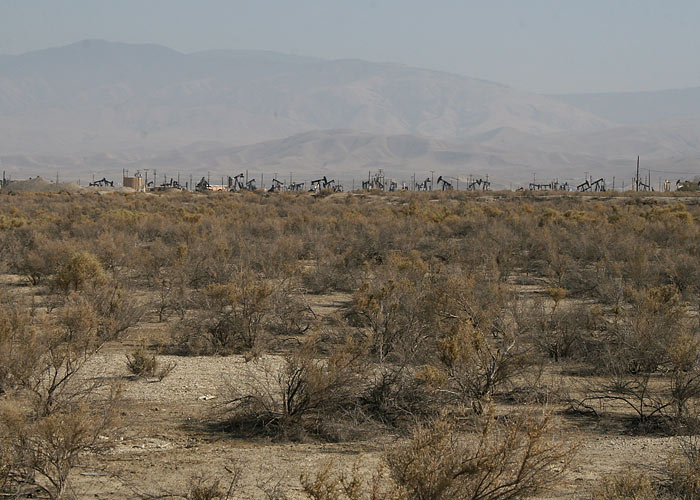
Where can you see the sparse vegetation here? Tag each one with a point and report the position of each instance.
(386, 320)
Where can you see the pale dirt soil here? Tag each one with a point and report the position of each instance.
(164, 440)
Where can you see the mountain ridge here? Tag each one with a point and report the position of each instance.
(96, 105)
(638, 107)
(94, 96)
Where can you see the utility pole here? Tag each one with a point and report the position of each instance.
(262, 181)
(432, 179)
(637, 178)
(613, 183)
(145, 183)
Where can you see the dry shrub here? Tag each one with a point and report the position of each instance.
(142, 363)
(292, 314)
(651, 359)
(230, 317)
(684, 469)
(641, 336)
(14, 323)
(399, 395)
(471, 366)
(328, 484)
(475, 297)
(78, 270)
(297, 393)
(40, 451)
(37, 255)
(48, 360)
(201, 487)
(560, 331)
(395, 308)
(212, 489)
(117, 308)
(330, 272)
(501, 460)
(6, 473)
(49, 415)
(630, 485)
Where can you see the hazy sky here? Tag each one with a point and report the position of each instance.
(545, 46)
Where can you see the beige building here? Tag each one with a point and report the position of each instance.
(133, 182)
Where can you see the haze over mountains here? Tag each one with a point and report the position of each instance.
(98, 106)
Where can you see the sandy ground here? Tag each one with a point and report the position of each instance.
(164, 440)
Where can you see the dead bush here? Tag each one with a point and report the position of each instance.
(142, 363)
(117, 309)
(291, 313)
(212, 489)
(399, 395)
(200, 487)
(484, 302)
(651, 362)
(230, 317)
(630, 485)
(471, 366)
(395, 307)
(293, 395)
(330, 272)
(560, 330)
(14, 322)
(501, 460)
(329, 484)
(40, 451)
(684, 469)
(44, 361)
(38, 255)
(642, 334)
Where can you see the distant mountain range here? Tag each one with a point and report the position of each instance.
(98, 106)
(638, 107)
